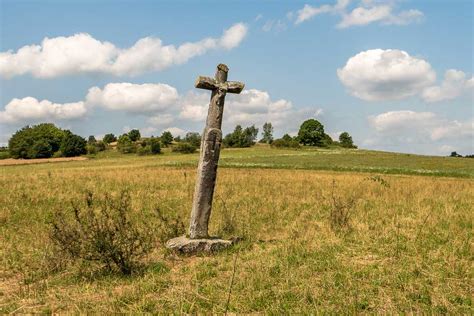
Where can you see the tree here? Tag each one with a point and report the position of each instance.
(41, 149)
(73, 145)
(240, 138)
(193, 138)
(155, 145)
(166, 138)
(455, 154)
(134, 135)
(91, 140)
(346, 140)
(21, 143)
(109, 138)
(311, 133)
(125, 144)
(267, 134)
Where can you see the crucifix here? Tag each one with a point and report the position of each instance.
(207, 169)
(210, 149)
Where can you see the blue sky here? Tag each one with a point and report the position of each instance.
(397, 75)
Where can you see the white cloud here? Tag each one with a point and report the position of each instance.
(194, 106)
(81, 53)
(365, 13)
(453, 85)
(391, 74)
(30, 110)
(161, 119)
(404, 128)
(131, 97)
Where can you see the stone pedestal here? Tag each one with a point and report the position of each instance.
(185, 245)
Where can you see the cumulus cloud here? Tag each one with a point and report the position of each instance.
(31, 110)
(365, 13)
(391, 74)
(402, 128)
(81, 53)
(131, 97)
(453, 85)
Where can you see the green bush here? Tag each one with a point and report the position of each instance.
(22, 142)
(134, 135)
(125, 145)
(73, 145)
(184, 148)
(155, 145)
(4, 153)
(101, 145)
(241, 138)
(282, 143)
(346, 140)
(102, 231)
(91, 149)
(166, 138)
(142, 151)
(109, 138)
(193, 138)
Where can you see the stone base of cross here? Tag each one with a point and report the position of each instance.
(198, 239)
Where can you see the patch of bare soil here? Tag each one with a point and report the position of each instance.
(11, 161)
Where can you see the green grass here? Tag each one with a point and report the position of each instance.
(408, 248)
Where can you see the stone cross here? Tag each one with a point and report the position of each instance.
(210, 149)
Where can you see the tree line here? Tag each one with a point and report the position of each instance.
(46, 140)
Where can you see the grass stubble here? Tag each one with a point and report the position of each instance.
(407, 248)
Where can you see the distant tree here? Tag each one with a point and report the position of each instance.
(455, 154)
(41, 149)
(166, 138)
(125, 144)
(101, 145)
(346, 140)
(155, 146)
(287, 137)
(240, 138)
(193, 138)
(109, 138)
(184, 148)
(134, 135)
(91, 140)
(178, 139)
(22, 142)
(73, 145)
(267, 134)
(311, 133)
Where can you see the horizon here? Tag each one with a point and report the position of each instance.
(396, 75)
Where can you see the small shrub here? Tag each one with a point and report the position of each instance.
(91, 149)
(143, 151)
(155, 145)
(125, 145)
(184, 148)
(341, 209)
(102, 231)
(285, 143)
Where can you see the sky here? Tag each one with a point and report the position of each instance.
(396, 74)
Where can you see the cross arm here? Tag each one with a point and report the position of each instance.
(211, 84)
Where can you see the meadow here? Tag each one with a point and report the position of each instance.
(407, 247)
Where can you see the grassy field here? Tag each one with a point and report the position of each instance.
(408, 248)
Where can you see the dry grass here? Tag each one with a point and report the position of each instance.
(409, 249)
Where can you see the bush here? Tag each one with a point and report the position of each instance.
(101, 145)
(109, 138)
(142, 151)
(194, 139)
(91, 149)
(155, 146)
(346, 140)
(4, 153)
(166, 138)
(21, 143)
(102, 231)
(41, 149)
(134, 135)
(282, 143)
(73, 145)
(125, 145)
(184, 148)
(241, 138)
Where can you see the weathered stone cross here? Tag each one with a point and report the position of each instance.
(210, 149)
(207, 169)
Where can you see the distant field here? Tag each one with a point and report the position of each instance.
(409, 249)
